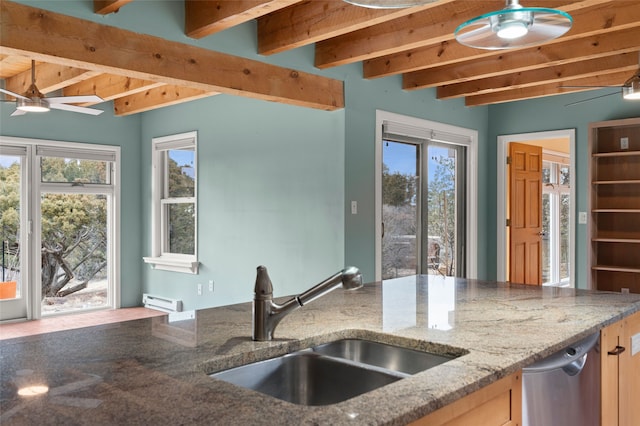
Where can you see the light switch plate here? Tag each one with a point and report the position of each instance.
(354, 207)
(582, 217)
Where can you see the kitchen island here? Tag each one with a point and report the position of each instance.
(155, 371)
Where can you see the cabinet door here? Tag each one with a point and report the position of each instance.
(630, 372)
(620, 361)
(610, 338)
(498, 404)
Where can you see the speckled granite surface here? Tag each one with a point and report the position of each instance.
(152, 371)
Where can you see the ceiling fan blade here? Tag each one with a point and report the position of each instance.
(75, 99)
(73, 108)
(15, 95)
(18, 112)
(590, 99)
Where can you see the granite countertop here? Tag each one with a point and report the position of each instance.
(153, 371)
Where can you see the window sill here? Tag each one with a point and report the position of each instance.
(188, 265)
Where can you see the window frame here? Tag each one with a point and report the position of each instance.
(160, 257)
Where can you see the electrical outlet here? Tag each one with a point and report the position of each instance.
(624, 143)
(199, 289)
(211, 285)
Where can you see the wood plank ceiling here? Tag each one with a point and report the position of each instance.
(602, 49)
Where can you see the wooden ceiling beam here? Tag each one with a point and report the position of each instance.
(433, 25)
(105, 7)
(49, 78)
(314, 21)
(602, 45)
(110, 86)
(595, 19)
(206, 17)
(56, 38)
(615, 79)
(555, 74)
(156, 98)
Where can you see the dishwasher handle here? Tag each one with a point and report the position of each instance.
(571, 359)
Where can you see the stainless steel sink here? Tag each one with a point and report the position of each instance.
(331, 372)
(393, 358)
(307, 378)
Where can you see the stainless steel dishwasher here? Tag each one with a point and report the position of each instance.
(564, 388)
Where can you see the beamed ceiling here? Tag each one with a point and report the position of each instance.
(140, 72)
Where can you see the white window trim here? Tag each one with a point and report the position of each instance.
(470, 140)
(170, 261)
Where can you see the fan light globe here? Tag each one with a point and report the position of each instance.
(34, 104)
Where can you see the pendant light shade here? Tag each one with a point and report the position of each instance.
(389, 4)
(514, 26)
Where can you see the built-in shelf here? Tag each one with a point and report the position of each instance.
(616, 182)
(615, 269)
(614, 200)
(617, 240)
(616, 154)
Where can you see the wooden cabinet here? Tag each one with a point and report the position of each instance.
(498, 404)
(620, 360)
(614, 204)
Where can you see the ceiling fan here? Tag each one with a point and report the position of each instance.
(34, 101)
(630, 88)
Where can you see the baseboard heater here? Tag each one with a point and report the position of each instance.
(161, 303)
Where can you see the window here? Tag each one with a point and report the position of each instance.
(174, 234)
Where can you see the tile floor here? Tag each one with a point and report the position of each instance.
(71, 321)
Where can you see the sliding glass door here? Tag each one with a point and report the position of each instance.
(66, 262)
(423, 207)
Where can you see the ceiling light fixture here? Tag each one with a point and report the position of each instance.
(388, 4)
(631, 88)
(514, 26)
(34, 104)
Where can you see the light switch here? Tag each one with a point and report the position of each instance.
(354, 207)
(582, 217)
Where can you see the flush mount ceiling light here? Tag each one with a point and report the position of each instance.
(514, 26)
(389, 4)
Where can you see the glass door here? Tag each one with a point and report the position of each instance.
(400, 209)
(75, 216)
(13, 205)
(423, 208)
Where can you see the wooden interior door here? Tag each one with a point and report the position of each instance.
(525, 214)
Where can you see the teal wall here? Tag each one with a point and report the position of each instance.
(546, 114)
(107, 130)
(275, 181)
(270, 192)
